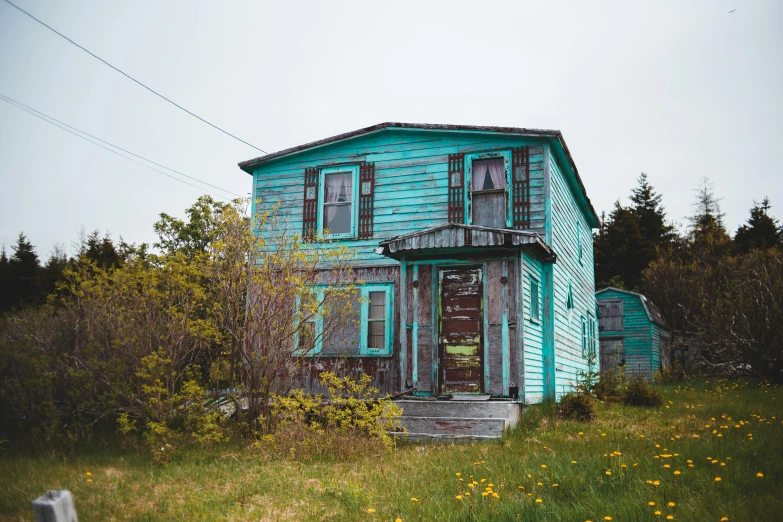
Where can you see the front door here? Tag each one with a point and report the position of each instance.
(460, 350)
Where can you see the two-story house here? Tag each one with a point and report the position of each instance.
(474, 245)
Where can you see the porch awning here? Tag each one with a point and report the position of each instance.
(455, 236)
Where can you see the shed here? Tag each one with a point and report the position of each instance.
(632, 331)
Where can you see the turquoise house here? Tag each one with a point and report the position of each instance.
(474, 244)
(633, 333)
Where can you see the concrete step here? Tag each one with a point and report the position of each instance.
(460, 426)
(466, 409)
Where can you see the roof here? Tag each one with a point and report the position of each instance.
(654, 313)
(454, 235)
(554, 135)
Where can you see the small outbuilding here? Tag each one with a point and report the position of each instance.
(632, 331)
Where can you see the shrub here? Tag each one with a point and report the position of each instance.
(639, 392)
(607, 388)
(577, 405)
(351, 421)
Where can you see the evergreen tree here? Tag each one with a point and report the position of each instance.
(54, 268)
(22, 281)
(629, 240)
(708, 235)
(761, 231)
(101, 250)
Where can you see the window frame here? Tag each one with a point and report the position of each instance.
(355, 189)
(535, 305)
(364, 312)
(468, 183)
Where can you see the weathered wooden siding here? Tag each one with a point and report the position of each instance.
(658, 332)
(411, 184)
(637, 332)
(532, 332)
(569, 228)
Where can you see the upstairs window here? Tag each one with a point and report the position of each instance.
(338, 209)
(488, 174)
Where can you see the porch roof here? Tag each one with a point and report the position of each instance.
(458, 236)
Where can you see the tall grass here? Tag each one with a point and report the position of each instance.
(613, 467)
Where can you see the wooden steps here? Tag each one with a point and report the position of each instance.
(457, 419)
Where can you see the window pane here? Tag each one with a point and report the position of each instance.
(338, 218)
(338, 187)
(307, 336)
(376, 334)
(489, 174)
(378, 305)
(341, 324)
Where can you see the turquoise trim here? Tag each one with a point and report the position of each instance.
(403, 321)
(504, 335)
(468, 169)
(354, 170)
(415, 334)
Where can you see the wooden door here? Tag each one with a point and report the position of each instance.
(612, 354)
(460, 346)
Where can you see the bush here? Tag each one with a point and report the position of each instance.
(639, 392)
(607, 388)
(577, 405)
(350, 422)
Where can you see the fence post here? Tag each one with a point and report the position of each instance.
(54, 506)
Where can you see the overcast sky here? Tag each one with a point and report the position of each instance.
(680, 90)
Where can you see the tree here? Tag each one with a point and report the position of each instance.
(270, 291)
(761, 231)
(22, 282)
(100, 250)
(194, 236)
(631, 237)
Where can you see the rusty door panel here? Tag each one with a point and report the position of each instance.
(460, 348)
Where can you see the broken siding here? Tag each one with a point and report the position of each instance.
(569, 228)
(411, 181)
(532, 332)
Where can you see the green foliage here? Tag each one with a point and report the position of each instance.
(761, 231)
(351, 421)
(639, 392)
(577, 405)
(607, 388)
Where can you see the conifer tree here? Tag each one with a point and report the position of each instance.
(761, 231)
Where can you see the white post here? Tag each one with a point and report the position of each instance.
(54, 506)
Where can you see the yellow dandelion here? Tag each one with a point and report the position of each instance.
(607, 517)
(581, 433)
(484, 493)
(669, 517)
(398, 519)
(89, 480)
(658, 513)
(458, 497)
(666, 466)
(573, 462)
(414, 499)
(483, 480)
(555, 485)
(370, 510)
(538, 501)
(677, 472)
(539, 483)
(490, 485)
(603, 434)
(543, 466)
(608, 473)
(760, 475)
(467, 493)
(521, 487)
(724, 519)
(656, 483)
(495, 495)
(717, 479)
(671, 504)
(458, 474)
(651, 503)
(88, 474)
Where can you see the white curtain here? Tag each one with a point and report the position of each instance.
(338, 188)
(496, 169)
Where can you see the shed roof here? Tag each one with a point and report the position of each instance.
(454, 235)
(555, 136)
(654, 313)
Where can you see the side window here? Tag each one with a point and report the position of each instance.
(611, 315)
(376, 320)
(338, 202)
(535, 310)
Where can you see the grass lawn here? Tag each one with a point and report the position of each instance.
(714, 450)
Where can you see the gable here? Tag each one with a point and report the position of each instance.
(651, 310)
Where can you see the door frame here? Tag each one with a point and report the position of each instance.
(438, 367)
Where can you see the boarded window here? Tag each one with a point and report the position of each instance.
(612, 354)
(611, 315)
(341, 326)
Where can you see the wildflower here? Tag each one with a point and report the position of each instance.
(671, 504)
(717, 479)
(495, 495)
(89, 480)
(651, 503)
(760, 475)
(603, 434)
(414, 499)
(607, 517)
(669, 517)
(658, 513)
(608, 473)
(581, 433)
(573, 462)
(467, 493)
(543, 466)
(88, 474)
(666, 466)
(458, 474)
(724, 519)
(398, 519)
(370, 510)
(490, 485)
(656, 483)
(676, 471)
(555, 485)
(539, 484)
(458, 497)
(538, 501)
(484, 493)
(483, 480)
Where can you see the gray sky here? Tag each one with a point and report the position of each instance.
(679, 90)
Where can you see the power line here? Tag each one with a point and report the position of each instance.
(115, 146)
(64, 127)
(132, 78)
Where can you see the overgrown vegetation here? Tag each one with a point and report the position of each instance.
(669, 456)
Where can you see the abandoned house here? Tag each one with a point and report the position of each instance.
(633, 333)
(475, 247)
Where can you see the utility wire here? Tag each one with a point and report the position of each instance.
(115, 146)
(132, 78)
(63, 127)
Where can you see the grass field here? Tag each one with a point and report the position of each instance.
(714, 450)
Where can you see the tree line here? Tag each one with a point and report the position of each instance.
(721, 294)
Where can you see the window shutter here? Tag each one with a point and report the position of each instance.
(366, 201)
(521, 187)
(457, 188)
(310, 208)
